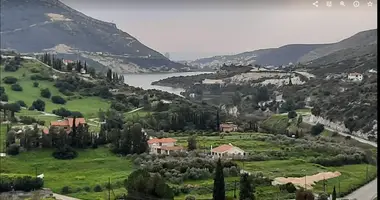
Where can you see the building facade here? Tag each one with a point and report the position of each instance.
(163, 146)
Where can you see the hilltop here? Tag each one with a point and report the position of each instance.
(295, 53)
(51, 26)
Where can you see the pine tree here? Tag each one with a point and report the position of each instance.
(217, 120)
(290, 81)
(219, 190)
(246, 190)
(334, 194)
(109, 75)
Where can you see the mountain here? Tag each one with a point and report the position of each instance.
(35, 26)
(355, 45)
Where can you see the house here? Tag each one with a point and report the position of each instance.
(230, 127)
(227, 150)
(372, 71)
(66, 124)
(163, 146)
(82, 71)
(66, 62)
(355, 76)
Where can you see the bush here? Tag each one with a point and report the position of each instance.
(41, 77)
(23, 183)
(21, 103)
(317, 129)
(45, 93)
(66, 190)
(87, 189)
(35, 70)
(98, 188)
(58, 100)
(9, 80)
(38, 105)
(292, 114)
(11, 67)
(289, 187)
(16, 87)
(13, 149)
(65, 153)
(35, 84)
(4, 97)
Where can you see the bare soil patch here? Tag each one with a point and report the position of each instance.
(309, 181)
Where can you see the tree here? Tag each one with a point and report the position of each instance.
(304, 195)
(21, 103)
(13, 149)
(333, 194)
(292, 114)
(300, 120)
(323, 196)
(317, 129)
(141, 185)
(316, 111)
(16, 87)
(217, 121)
(219, 187)
(38, 105)
(13, 107)
(350, 124)
(290, 81)
(191, 143)
(139, 139)
(246, 190)
(45, 93)
(109, 75)
(62, 112)
(9, 80)
(58, 100)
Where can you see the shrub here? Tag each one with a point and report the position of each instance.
(41, 77)
(66, 190)
(4, 97)
(65, 153)
(87, 189)
(289, 187)
(11, 67)
(58, 100)
(13, 149)
(23, 183)
(9, 80)
(21, 103)
(292, 114)
(16, 87)
(45, 93)
(35, 84)
(98, 188)
(35, 70)
(63, 112)
(317, 129)
(38, 105)
(76, 114)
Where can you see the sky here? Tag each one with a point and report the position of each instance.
(188, 31)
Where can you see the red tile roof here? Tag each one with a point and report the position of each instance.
(162, 140)
(222, 148)
(69, 122)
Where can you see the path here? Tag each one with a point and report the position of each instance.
(137, 109)
(63, 197)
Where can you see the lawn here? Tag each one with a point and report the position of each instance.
(88, 106)
(91, 167)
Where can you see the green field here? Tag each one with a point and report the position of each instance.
(91, 167)
(88, 106)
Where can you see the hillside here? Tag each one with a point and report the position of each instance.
(41, 25)
(356, 45)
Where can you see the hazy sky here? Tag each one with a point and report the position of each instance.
(195, 30)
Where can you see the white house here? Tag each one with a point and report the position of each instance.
(66, 62)
(227, 150)
(163, 146)
(372, 71)
(355, 77)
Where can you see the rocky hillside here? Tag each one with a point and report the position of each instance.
(49, 25)
(354, 46)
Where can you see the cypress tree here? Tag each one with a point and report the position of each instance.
(246, 190)
(217, 120)
(219, 191)
(334, 194)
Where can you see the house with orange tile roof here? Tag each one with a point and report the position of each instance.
(163, 146)
(227, 151)
(66, 124)
(228, 127)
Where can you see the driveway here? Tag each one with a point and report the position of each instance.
(63, 197)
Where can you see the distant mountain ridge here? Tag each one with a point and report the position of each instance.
(294, 53)
(34, 26)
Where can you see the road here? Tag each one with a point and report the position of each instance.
(368, 191)
(63, 197)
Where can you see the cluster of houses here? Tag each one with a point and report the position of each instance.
(167, 146)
